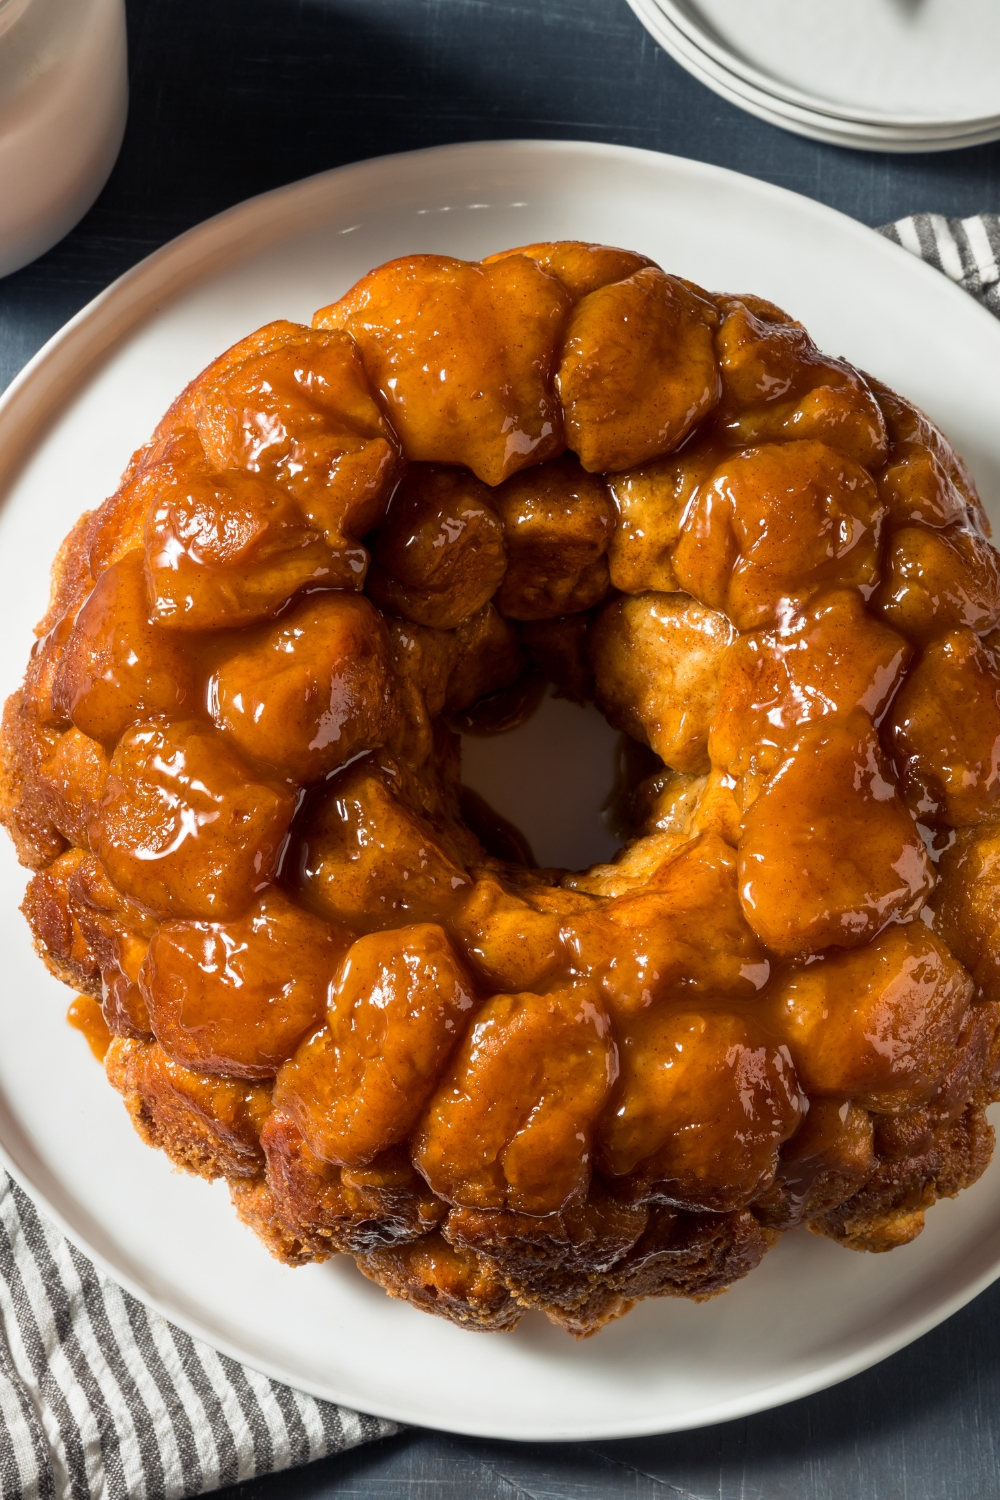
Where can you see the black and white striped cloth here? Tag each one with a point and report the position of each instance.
(967, 250)
(101, 1399)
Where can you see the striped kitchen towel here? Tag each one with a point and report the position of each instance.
(102, 1399)
(967, 250)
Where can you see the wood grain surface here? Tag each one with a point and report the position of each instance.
(231, 97)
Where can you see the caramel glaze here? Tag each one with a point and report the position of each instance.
(327, 973)
(86, 1015)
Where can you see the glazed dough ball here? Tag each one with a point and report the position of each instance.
(656, 669)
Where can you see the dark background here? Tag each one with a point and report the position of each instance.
(231, 97)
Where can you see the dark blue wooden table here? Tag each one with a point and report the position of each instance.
(231, 97)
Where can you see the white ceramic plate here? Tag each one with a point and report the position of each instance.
(720, 71)
(909, 63)
(813, 1313)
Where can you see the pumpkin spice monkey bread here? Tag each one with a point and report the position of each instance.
(319, 969)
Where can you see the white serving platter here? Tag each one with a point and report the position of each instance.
(813, 1313)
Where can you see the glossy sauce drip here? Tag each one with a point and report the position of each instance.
(86, 1016)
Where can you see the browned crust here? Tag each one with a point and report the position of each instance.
(23, 809)
(590, 1264)
(59, 940)
(208, 1126)
(330, 1208)
(889, 1210)
(70, 577)
(255, 1207)
(440, 1278)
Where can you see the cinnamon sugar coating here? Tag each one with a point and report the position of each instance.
(317, 967)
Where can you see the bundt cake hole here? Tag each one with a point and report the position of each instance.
(559, 777)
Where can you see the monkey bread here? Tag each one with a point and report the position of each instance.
(317, 966)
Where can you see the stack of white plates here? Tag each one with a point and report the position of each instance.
(879, 75)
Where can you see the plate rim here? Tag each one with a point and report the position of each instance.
(61, 368)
